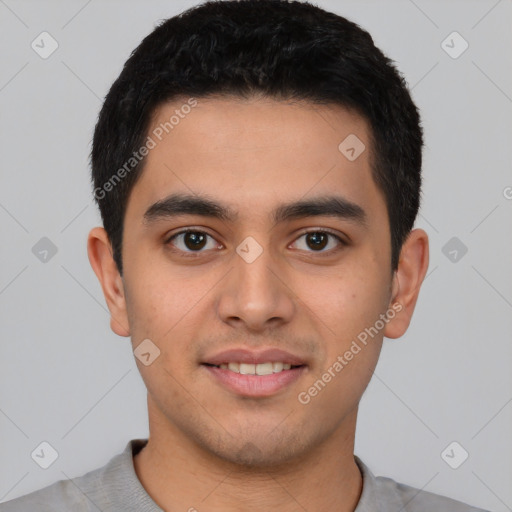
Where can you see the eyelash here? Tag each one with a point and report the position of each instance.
(194, 254)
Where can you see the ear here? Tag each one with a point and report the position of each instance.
(102, 262)
(407, 280)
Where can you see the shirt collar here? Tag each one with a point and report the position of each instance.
(128, 489)
(368, 499)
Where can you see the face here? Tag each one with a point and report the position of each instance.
(287, 286)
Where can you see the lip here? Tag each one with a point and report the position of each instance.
(255, 386)
(242, 355)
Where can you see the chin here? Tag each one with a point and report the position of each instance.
(260, 452)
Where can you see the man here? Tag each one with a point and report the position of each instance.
(257, 165)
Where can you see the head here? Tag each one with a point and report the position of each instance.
(258, 125)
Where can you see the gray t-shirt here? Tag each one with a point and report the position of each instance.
(116, 488)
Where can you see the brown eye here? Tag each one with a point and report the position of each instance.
(194, 240)
(317, 241)
(191, 241)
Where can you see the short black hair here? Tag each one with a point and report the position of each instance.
(285, 50)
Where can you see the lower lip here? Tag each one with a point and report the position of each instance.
(255, 385)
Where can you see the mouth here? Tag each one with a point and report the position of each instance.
(268, 368)
(255, 375)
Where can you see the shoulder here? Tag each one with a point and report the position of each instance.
(385, 495)
(86, 493)
(417, 500)
(61, 496)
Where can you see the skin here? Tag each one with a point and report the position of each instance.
(210, 448)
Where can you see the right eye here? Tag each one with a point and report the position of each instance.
(192, 241)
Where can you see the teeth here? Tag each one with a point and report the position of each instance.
(277, 367)
(256, 369)
(264, 369)
(247, 369)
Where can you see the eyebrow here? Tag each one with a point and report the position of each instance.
(176, 205)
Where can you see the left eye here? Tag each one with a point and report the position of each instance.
(195, 241)
(319, 239)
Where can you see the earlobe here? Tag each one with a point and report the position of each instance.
(407, 280)
(102, 262)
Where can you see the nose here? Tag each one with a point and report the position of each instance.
(256, 292)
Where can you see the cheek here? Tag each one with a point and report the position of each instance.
(164, 311)
(156, 303)
(350, 308)
(350, 301)
(168, 309)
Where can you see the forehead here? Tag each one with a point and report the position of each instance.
(255, 153)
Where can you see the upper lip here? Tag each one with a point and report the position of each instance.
(242, 355)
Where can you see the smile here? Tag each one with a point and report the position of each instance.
(242, 378)
(256, 369)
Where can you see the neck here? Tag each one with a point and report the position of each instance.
(180, 475)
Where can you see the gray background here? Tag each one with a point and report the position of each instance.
(65, 378)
